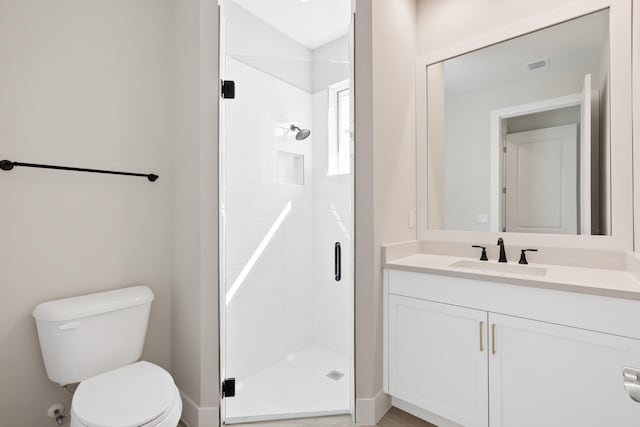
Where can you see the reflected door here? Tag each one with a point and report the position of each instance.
(541, 181)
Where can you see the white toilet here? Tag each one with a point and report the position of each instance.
(95, 340)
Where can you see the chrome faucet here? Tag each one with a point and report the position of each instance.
(503, 254)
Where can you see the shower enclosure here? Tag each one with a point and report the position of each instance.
(286, 258)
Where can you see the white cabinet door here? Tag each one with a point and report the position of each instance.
(543, 374)
(438, 358)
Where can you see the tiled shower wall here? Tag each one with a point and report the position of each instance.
(269, 316)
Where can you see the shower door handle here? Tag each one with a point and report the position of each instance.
(337, 261)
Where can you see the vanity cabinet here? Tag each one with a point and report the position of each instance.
(550, 375)
(438, 358)
(466, 363)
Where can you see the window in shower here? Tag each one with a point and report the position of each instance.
(339, 141)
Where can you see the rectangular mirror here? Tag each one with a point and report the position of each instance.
(518, 135)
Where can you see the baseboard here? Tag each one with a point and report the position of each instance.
(369, 411)
(196, 416)
(422, 414)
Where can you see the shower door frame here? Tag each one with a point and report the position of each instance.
(222, 279)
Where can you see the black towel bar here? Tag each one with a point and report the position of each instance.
(7, 165)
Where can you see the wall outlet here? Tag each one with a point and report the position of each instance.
(483, 218)
(411, 219)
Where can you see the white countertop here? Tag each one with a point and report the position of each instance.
(595, 281)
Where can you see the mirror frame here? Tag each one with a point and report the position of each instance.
(621, 113)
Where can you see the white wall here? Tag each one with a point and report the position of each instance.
(85, 84)
(443, 23)
(194, 308)
(394, 52)
(366, 310)
(385, 173)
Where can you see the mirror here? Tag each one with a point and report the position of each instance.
(518, 134)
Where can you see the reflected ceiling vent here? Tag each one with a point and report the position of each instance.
(335, 375)
(541, 63)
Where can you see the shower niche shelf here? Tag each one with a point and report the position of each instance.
(290, 168)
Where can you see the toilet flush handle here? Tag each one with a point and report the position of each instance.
(68, 326)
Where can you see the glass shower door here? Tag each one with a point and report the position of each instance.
(286, 214)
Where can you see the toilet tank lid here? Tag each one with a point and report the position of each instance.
(93, 304)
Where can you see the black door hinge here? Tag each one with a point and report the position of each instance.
(228, 89)
(229, 387)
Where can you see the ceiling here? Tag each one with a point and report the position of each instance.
(312, 23)
(573, 45)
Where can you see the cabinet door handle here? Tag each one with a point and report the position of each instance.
(493, 338)
(631, 377)
(481, 328)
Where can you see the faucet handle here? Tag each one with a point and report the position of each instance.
(483, 257)
(523, 256)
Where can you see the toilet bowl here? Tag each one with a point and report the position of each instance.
(96, 341)
(137, 395)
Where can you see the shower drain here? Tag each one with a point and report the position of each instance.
(335, 375)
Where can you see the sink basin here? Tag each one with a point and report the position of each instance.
(495, 267)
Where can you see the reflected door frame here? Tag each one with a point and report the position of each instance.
(498, 141)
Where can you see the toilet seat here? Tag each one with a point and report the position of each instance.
(137, 395)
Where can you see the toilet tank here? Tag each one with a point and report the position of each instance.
(84, 336)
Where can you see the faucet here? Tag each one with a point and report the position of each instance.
(503, 254)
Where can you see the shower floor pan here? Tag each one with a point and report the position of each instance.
(304, 384)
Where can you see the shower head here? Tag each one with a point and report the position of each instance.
(300, 133)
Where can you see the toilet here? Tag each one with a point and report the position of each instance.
(96, 340)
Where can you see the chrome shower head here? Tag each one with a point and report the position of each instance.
(300, 133)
